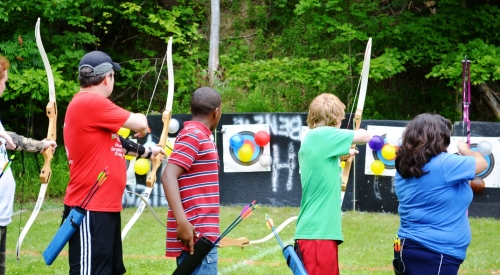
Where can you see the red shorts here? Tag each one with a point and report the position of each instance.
(320, 256)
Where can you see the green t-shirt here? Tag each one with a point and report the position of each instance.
(321, 179)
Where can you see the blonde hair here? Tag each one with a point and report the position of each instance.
(4, 65)
(325, 110)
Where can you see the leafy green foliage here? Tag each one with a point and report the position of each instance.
(272, 84)
(26, 170)
(274, 56)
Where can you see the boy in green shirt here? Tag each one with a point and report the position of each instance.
(319, 226)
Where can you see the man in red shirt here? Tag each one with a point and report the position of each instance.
(92, 144)
(191, 182)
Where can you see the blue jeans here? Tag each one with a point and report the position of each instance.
(207, 267)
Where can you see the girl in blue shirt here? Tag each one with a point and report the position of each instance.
(434, 194)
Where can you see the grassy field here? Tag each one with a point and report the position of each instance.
(367, 248)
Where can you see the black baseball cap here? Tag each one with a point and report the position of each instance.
(99, 62)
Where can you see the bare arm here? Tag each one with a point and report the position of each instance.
(137, 123)
(361, 137)
(464, 150)
(185, 230)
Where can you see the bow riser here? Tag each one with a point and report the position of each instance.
(46, 172)
(466, 97)
(157, 160)
(347, 168)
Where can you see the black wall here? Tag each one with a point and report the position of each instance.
(281, 186)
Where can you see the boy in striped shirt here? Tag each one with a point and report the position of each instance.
(191, 182)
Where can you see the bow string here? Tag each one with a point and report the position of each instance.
(157, 160)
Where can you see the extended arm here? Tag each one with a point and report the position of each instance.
(134, 149)
(28, 144)
(137, 123)
(361, 136)
(464, 150)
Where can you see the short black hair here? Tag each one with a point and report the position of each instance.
(204, 101)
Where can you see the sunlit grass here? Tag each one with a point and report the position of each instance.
(367, 248)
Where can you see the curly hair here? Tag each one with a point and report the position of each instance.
(4, 65)
(426, 136)
(325, 110)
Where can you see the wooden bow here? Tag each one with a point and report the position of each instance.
(359, 110)
(51, 111)
(157, 160)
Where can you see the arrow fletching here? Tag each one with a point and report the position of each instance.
(246, 207)
(269, 222)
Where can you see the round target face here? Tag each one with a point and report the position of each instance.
(489, 159)
(243, 155)
(377, 155)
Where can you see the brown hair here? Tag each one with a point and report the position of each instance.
(426, 136)
(325, 110)
(4, 65)
(87, 78)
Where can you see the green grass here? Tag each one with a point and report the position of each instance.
(367, 248)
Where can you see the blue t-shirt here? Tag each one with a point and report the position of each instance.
(433, 208)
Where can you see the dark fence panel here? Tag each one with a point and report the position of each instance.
(281, 186)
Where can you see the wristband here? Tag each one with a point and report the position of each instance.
(150, 153)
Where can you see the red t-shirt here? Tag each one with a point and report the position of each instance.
(92, 144)
(195, 151)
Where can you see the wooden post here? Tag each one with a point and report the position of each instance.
(213, 57)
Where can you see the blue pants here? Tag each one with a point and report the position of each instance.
(419, 260)
(207, 267)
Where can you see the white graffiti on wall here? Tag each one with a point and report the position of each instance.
(284, 160)
(279, 125)
(376, 187)
(289, 126)
(289, 165)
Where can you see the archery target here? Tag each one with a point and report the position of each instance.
(390, 135)
(240, 151)
(491, 175)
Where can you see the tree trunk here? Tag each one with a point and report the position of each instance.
(492, 99)
(213, 56)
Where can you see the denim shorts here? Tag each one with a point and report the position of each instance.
(207, 267)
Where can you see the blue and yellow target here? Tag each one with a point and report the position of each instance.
(246, 152)
(377, 155)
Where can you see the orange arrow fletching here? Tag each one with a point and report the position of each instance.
(269, 222)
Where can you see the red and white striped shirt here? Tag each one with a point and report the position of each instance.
(195, 151)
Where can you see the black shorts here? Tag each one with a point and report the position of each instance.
(96, 247)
